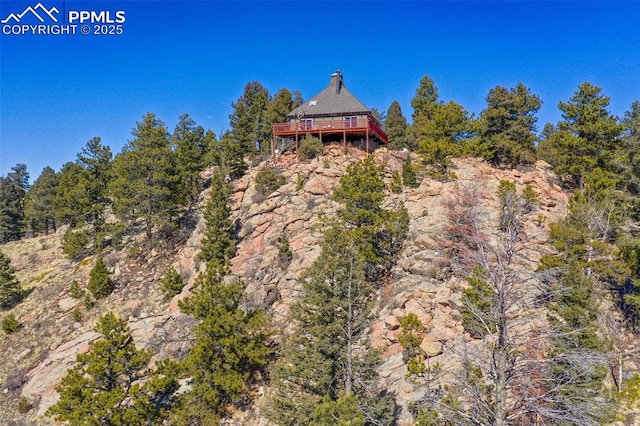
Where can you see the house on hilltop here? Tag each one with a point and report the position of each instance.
(333, 115)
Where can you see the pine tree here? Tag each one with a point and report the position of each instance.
(231, 157)
(442, 134)
(218, 242)
(230, 350)
(629, 150)
(13, 188)
(325, 358)
(425, 99)
(72, 203)
(100, 284)
(396, 127)
(172, 282)
(104, 387)
(10, 287)
(508, 126)
(279, 106)
(327, 363)
(191, 151)
(146, 178)
(587, 135)
(250, 128)
(361, 190)
(96, 161)
(39, 203)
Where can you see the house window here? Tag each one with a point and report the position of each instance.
(350, 122)
(307, 123)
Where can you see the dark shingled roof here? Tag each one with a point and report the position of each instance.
(335, 100)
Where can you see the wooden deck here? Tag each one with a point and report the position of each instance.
(362, 127)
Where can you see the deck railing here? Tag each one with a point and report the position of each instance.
(329, 127)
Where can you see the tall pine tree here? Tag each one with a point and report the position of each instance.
(508, 126)
(40, 201)
(249, 125)
(191, 147)
(13, 189)
(218, 241)
(587, 135)
(146, 179)
(326, 365)
(396, 127)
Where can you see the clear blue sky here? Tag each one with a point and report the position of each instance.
(57, 92)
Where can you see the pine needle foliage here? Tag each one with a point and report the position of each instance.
(326, 371)
(230, 350)
(104, 389)
(218, 242)
(100, 284)
(10, 288)
(172, 282)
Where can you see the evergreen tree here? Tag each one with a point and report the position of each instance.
(588, 134)
(508, 126)
(546, 150)
(218, 241)
(425, 99)
(231, 157)
(10, 287)
(249, 125)
(396, 127)
(327, 364)
(100, 284)
(40, 201)
(96, 160)
(104, 387)
(361, 190)
(172, 283)
(146, 178)
(191, 148)
(230, 350)
(325, 358)
(629, 150)
(279, 106)
(72, 203)
(13, 188)
(441, 135)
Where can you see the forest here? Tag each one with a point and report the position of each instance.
(326, 374)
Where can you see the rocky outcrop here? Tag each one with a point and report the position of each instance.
(38, 356)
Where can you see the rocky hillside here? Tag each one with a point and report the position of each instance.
(35, 358)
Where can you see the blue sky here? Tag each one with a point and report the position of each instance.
(59, 91)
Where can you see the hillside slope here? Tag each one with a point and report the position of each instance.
(36, 357)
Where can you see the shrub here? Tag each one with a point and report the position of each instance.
(284, 250)
(100, 285)
(75, 291)
(10, 324)
(310, 147)
(268, 180)
(76, 314)
(530, 198)
(172, 283)
(73, 242)
(24, 405)
(299, 181)
(409, 176)
(88, 301)
(396, 183)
